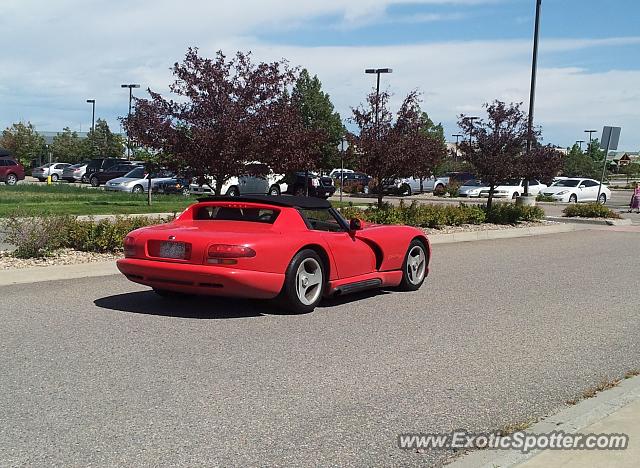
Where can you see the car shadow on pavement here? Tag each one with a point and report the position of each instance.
(354, 297)
(198, 307)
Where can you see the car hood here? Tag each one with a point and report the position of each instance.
(469, 188)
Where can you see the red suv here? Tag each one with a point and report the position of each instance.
(11, 171)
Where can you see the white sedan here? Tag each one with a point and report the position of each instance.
(137, 181)
(472, 188)
(575, 189)
(513, 188)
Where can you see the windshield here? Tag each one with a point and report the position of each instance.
(474, 183)
(137, 173)
(567, 183)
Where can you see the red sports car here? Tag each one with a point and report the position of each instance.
(296, 248)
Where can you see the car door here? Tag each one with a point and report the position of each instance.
(352, 256)
(534, 187)
(590, 190)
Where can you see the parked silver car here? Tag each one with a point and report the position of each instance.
(54, 169)
(74, 173)
(137, 181)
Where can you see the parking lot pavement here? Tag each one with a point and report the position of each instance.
(100, 371)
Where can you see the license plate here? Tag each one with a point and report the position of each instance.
(173, 250)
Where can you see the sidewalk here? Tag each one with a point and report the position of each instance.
(614, 411)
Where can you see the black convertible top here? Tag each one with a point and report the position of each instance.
(276, 200)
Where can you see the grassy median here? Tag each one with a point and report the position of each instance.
(60, 199)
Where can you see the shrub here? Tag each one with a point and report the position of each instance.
(452, 189)
(545, 198)
(34, 237)
(104, 235)
(508, 213)
(589, 210)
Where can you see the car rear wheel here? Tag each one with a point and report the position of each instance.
(515, 195)
(233, 192)
(573, 198)
(414, 267)
(439, 189)
(136, 189)
(94, 181)
(304, 282)
(83, 179)
(274, 191)
(405, 190)
(54, 178)
(11, 179)
(602, 199)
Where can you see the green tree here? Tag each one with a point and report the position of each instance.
(429, 128)
(101, 142)
(67, 146)
(579, 164)
(318, 114)
(24, 142)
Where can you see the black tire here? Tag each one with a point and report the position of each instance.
(515, 195)
(274, 191)
(290, 295)
(573, 198)
(408, 283)
(84, 180)
(54, 177)
(405, 189)
(137, 189)
(602, 199)
(299, 191)
(439, 189)
(233, 191)
(11, 179)
(94, 181)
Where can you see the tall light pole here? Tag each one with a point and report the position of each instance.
(471, 119)
(342, 147)
(93, 114)
(590, 132)
(532, 91)
(131, 88)
(377, 72)
(579, 142)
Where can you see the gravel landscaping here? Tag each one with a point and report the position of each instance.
(487, 227)
(59, 257)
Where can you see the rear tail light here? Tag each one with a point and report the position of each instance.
(226, 254)
(129, 247)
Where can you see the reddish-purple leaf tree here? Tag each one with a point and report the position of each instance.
(386, 148)
(227, 112)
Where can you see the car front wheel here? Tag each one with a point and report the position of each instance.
(274, 191)
(11, 179)
(54, 178)
(602, 199)
(304, 282)
(573, 198)
(414, 267)
(137, 189)
(233, 192)
(94, 182)
(515, 195)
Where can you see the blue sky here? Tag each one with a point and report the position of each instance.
(458, 53)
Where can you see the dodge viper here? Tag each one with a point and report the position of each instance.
(296, 249)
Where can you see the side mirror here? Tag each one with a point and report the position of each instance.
(582, 186)
(355, 224)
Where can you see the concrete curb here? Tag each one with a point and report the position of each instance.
(596, 221)
(502, 233)
(57, 272)
(570, 420)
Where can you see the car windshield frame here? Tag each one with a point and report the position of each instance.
(129, 175)
(474, 183)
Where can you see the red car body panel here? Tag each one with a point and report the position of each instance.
(372, 253)
(14, 168)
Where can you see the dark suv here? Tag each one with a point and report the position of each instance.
(319, 186)
(11, 171)
(101, 165)
(98, 178)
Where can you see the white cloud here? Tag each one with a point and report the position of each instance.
(57, 54)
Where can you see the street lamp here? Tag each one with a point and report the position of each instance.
(532, 92)
(131, 88)
(93, 114)
(579, 142)
(377, 72)
(342, 147)
(590, 132)
(471, 119)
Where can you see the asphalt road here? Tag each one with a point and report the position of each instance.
(101, 372)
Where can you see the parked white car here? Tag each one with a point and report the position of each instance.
(513, 188)
(54, 169)
(472, 188)
(136, 181)
(74, 173)
(573, 190)
(246, 184)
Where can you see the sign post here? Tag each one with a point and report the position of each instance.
(609, 141)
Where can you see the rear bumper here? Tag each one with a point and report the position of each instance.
(202, 279)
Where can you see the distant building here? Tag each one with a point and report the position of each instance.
(623, 158)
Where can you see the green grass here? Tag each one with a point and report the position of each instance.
(71, 199)
(78, 200)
